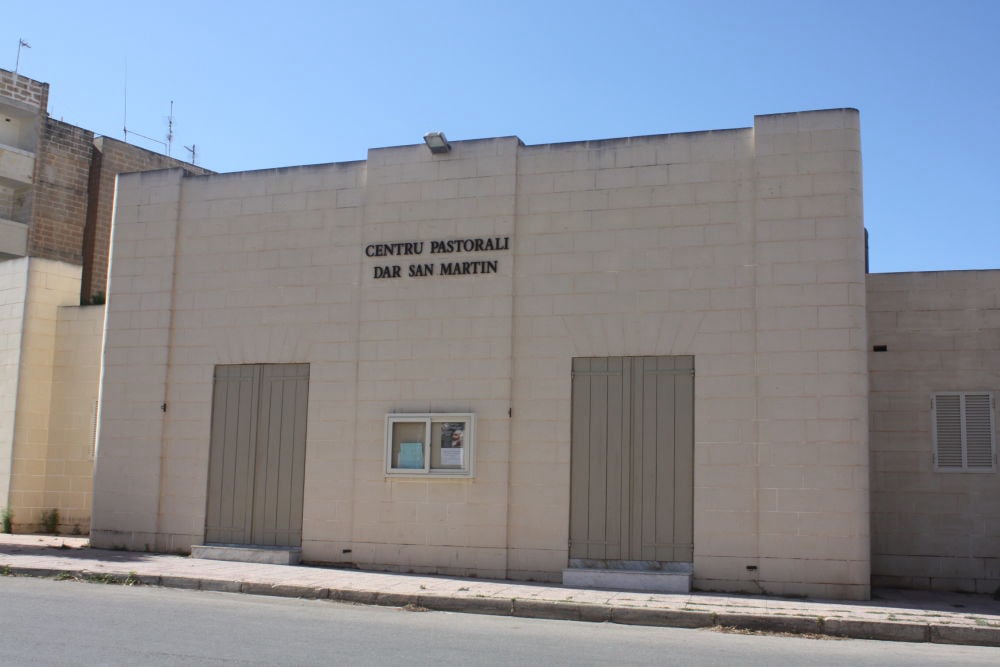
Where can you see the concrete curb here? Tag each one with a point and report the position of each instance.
(490, 606)
(889, 631)
(799, 625)
(665, 618)
(559, 610)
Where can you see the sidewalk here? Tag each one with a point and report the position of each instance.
(895, 615)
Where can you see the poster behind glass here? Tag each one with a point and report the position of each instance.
(408, 445)
(448, 445)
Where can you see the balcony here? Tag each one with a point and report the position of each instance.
(17, 166)
(13, 239)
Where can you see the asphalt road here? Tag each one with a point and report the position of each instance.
(44, 622)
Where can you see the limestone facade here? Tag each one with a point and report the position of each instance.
(742, 248)
(941, 333)
(56, 194)
(51, 444)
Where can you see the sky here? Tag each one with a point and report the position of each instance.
(269, 84)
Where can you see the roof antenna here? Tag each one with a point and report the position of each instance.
(125, 111)
(193, 150)
(20, 43)
(170, 129)
(168, 144)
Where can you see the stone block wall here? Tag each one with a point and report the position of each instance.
(76, 369)
(435, 343)
(34, 94)
(810, 420)
(68, 210)
(941, 331)
(126, 508)
(50, 284)
(110, 158)
(13, 293)
(60, 217)
(59, 209)
(743, 248)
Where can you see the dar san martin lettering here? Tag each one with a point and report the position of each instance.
(441, 247)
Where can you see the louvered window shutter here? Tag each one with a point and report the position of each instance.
(964, 435)
(978, 432)
(948, 431)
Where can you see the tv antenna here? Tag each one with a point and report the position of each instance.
(170, 129)
(125, 101)
(125, 129)
(169, 143)
(193, 150)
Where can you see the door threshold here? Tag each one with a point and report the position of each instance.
(628, 580)
(248, 553)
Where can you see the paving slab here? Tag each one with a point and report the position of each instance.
(896, 615)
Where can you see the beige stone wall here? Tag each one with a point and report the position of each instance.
(743, 248)
(49, 379)
(76, 373)
(267, 268)
(942, 333)
(127, 471)
(50, 284)
(13, 292)
(435, 344)
(110, 158)
(810, 418)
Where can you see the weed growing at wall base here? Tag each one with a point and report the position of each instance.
(50, 521)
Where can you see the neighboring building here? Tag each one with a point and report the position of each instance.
(56, 196)
(934, 387)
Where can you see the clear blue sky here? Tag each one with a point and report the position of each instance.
(268, 84)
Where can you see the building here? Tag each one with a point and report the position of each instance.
(56, 195)
(934, 372)
(655, 357)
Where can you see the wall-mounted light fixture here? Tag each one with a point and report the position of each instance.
(437, 142)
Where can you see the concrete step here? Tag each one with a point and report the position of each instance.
(628, 580)
(243, 553)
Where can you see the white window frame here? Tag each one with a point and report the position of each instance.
(963, 414)
(428, 419)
